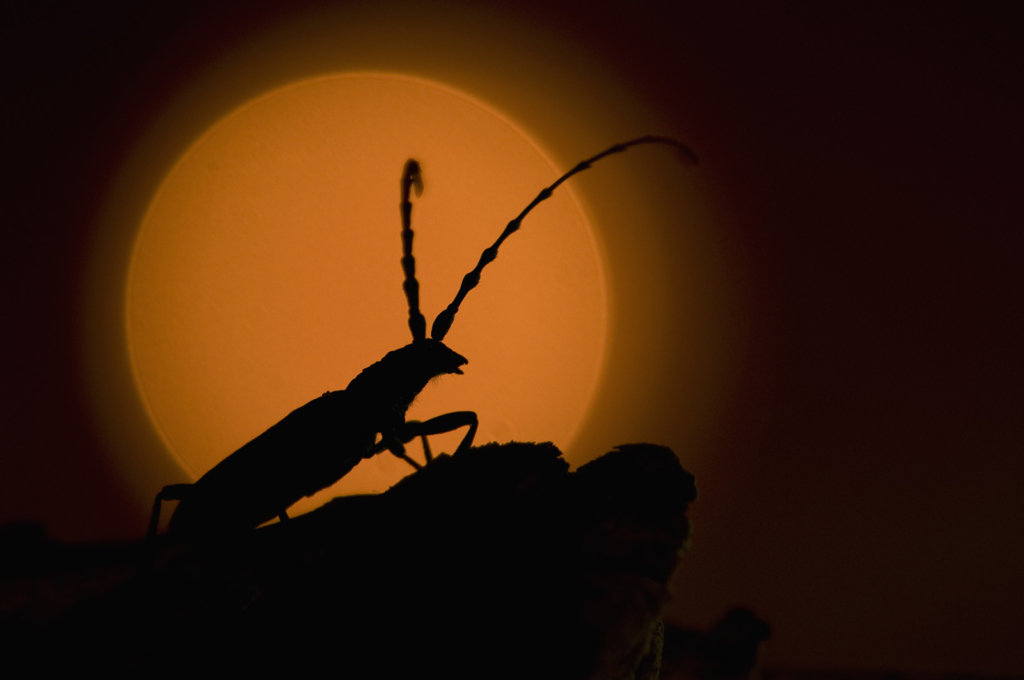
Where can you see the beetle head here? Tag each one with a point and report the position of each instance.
(403, 373)
(435, 358)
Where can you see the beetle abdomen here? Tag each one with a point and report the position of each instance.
(308, 450)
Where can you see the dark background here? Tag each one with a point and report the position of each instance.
(872, 156)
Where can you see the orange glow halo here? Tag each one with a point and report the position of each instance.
(266, 270)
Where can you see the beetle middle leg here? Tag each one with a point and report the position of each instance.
(448, 422)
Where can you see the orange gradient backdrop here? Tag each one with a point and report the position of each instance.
(236, 349)
(266, 270)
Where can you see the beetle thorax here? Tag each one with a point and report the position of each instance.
(394, 382)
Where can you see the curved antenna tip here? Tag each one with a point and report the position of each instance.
(685, 152)
(688, 153)
(444, 320)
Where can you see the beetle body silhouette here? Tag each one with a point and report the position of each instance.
(319, 443)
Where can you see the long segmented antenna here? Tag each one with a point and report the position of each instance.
(411, 178)
(444, 320)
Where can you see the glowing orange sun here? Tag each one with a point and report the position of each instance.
(266, 270)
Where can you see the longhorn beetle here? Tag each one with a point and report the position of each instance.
(317, 444)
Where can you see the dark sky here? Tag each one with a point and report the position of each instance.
(869, 501)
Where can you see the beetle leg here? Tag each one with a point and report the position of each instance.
(426, 449)
(396, 448)
(408, 433)
(171, 492)
(439, 425)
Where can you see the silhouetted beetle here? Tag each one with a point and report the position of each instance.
(317, 444)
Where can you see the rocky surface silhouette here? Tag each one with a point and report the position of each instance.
(495, 562)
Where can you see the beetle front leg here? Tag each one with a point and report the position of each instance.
(449, 422)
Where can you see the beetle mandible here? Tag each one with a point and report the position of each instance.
(317, 444)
